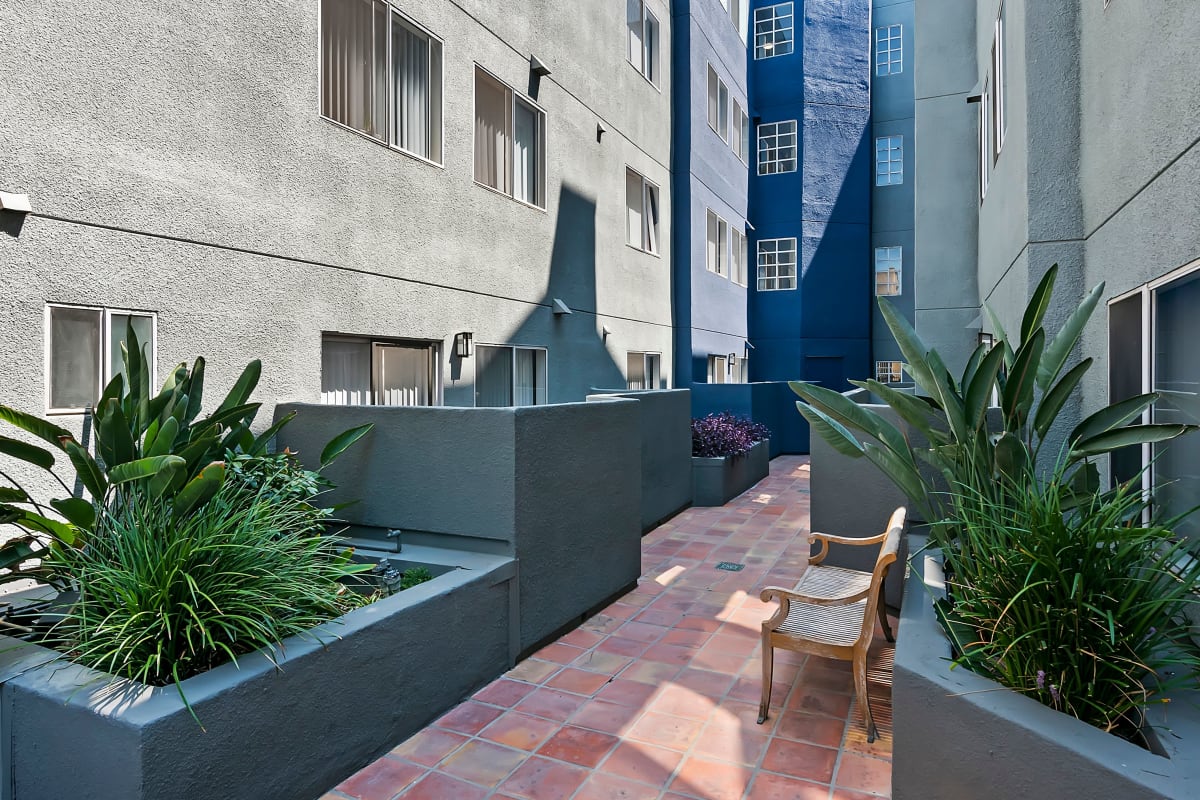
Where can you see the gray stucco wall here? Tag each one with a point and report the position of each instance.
(558, 487)
(193, 176)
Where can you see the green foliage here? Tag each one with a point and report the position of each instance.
(1031, 380)
(164, 597)
(414, 576)
(1079, 608)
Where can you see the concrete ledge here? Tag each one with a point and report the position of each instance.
(958, 735)
(716, 481)
(338, 701)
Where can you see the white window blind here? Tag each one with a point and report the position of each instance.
(509, 141)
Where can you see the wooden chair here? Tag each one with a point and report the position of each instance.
(831, 612)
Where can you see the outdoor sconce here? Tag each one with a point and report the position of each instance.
(600, 130)
(538, 67)
(987, 339)
(15, 202)
(560, 308)
(464, 344)
(729, 359)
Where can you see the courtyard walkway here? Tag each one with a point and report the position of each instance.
(656, 697)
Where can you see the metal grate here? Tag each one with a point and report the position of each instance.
(729, 566)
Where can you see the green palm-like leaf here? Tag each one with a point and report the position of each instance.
(911, 346)
(263, 440)
(36, 522)
(37, 426)
(144, 468)
(13, 552)
(902, 473)
(199, 490)
(1117, 438)
(114, 439)
(1039, 303)
(29, 453)
(853, 416)
(89, 472)
(1064, 341)
(242, 388)
(832, 431)
(338, 444)
(1000, 336)
(1012, 459)
(1113, 416)
(913, 410)
(1054, 400)
(979, 391)
(1018, 390)
(164, 440)
(76, 511)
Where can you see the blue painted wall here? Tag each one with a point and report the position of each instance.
(822, 329)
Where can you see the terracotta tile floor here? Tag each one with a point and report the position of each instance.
(656, 697)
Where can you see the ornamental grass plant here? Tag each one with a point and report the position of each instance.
(1073, 602)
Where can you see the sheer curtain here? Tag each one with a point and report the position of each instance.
(493, 376)
(525, 383)
(492, 109)
(404, 375)
(525, 149)
(633, 208)
(354, 64)
(410, 60)
(651, 47)
(635, 370)
(74, 357)
(345, 372)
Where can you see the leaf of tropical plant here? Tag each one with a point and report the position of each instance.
(854, 416)
(228, 417)
(338, 444)
(169, 478)
(201, 449)
(832, 431)
(200, 489)
(1186, 403)
(77, 511)
(36, 425)
(972, 367)
(948, 394)
(87, 469)
(1053, 401)
(112, 391)
(114, 439)
(1039, 302)
(194, 390)
(904, 475)
(979, 391)
(36, 522)
(144, 468)
(1064, 341)
(1123, 437)
(24, 451)
(1112, 416)
(911, 347)
(9, 494)
(164, 440)
(1012, 459)
(1018, 390)
(242, 388)
(1000, 335)
(260, 444)
(913, 410)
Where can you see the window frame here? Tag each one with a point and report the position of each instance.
(374, 343)
(720, 107)
(893, 368)
(760, 137)
(898, 269)
(739, 254)
(985, 139)
(899, 137)
(514, 97)
(653, 81)
(513, 348)
(770, 52)
(999, 84)
(715, 359)
(795, 265)
(648, 357)
(649, 188)
(387, 142)
(104, 370)
(721, 252)
(898, 70)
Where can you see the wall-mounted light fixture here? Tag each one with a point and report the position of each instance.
(559, 308)
(538, 67)
(600, 130)
(464, 344)
(987, 339)
(15, 202)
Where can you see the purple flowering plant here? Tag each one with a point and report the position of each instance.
(725, 434)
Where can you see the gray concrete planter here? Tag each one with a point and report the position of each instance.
(958, 735)
(716, 481)
(377, 675)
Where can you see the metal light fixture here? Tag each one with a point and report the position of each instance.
(560, 308)
(987, 339)
(538, 67)
(464, 344)
(15, 202)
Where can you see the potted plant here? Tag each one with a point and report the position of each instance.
(729, 455)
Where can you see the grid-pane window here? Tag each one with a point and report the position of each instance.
(889, 160)
(86, 352)
(642, 370)
(777, 147)
(641, 203)
(643, 39)
(773, 31)
(888, 371)
(360, 371)
(889, 50)
(717, 245)
(381, 74)
(509, 376)
(510, 133)
(776, 264)
(737, 252)
(887, 270)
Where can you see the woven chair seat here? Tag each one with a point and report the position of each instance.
(835, 625)
(826, 583)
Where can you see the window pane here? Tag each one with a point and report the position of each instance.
(345, 372)
(773, 31)
(492, 150)
(526, 144)
(633, 206)
(1177, 368)
(143, 329)
(74, 357)
(493, 376)
(735, 133)
(712, 242)
(635, 370)
(651, 219)
(525, 384)
(403, 375)
(1125, 373)
(633, 17)
(723, 110)
(777, 147)
(723, 248)
(712, 98)
(416, 75)
(651, 70)
(354, 64)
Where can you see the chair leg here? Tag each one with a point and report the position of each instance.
(768, 668)
(883, 620)
(864, 696)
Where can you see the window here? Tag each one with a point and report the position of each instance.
(777, 147)
(985, 140)
(773, 31)
(381, 74)
(718, 104)
(999, 91)
(84, 352)
(510, 134)
(642, 370)
(509, 376)
(737, 249)
(889, 50)
(889, 160)
(889, 371)
(776, 264)
(737, 13)
(641, 202)
(717, 252)
(718, 369)
(741, 133)
(887, 271)
(361, 371)
(643, 39)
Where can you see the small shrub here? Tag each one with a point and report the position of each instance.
(719, 435)
(1078, 607)
(414, 576)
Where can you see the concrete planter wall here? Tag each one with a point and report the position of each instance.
(716, 481)
(955, 732)
(773, 403)
(378, 674)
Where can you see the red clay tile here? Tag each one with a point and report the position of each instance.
(482, 762)
(587, 748)
(817, 701)
(627, 693)
(847, 794)
(559, 653)
(680, 701)
(646, 763)
(382, 780)
(666, 731)
(641, 631)
(531, 670)
(800, 760)
(518, 730)
(652, 672)
(551, 704)
(866, 774)
(604, 663)
(668, 654)
(731, 743)
(682, 637)
(469, 718)
(581, 637)
(712, 780)
(825, 731)
(622, 646)
(543, 779)
(601, 786)
(428, 747)
(436, 786)
(713, 685)
(578, 681)
(605, 717)
(503, 692)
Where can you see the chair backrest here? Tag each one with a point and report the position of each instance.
(887, 556)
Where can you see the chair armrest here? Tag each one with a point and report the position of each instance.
(787, 595)
(826, 538)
